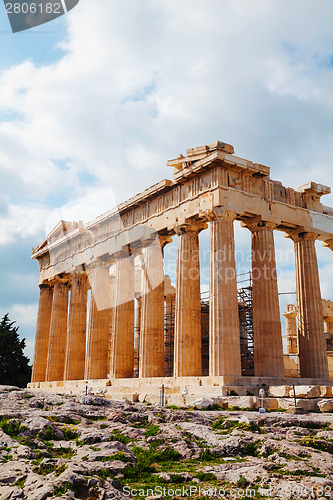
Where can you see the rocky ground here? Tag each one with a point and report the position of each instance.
(54, 446)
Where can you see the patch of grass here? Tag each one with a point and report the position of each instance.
(317, 444)
(28, 396)
(47, 434)
(205, 476)
(251, 449)
(60, 490)
(229, 425)
(146, 460)
(118, 436)
(70, 433)
(20, 483)
(242, 482)
(46, 469)
(104, 426)
(96, 418)
(63, 452)
(152, 430)
(10, 426)
(206, 455)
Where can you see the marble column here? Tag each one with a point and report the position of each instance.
(268, 349)
(224, 333)
(151, 361)
(291, 329)
(76, 328)
(187, 357)
(58, 332)
(312, 346)
(42, 333)
(122, 350)
(138, 310)
(99, 321)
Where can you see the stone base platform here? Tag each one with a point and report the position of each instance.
(242, 392)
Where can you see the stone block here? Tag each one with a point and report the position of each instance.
(325, 405)
(326, 391)
(306, 391)
(202, 403)
(279, 391)
(241, 401)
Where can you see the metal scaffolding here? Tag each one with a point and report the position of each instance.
(244, 282)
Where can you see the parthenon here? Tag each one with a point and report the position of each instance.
(114, 265)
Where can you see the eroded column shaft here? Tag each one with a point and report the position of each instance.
(187, 357)
(268, 350)
(76, 329)
(312, 347)
(152, 325)
(99, 323)
(42, 334)
(58, 333)
(122, 345)
(224, 336)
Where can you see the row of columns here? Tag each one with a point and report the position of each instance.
(62, 350)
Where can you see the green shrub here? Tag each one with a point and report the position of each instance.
(10, 426)
(153, 430)
(205, 476)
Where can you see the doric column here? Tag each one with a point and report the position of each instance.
(151, 361)
(42, 333)
(312, 347)
(99, 321)
(224, 333)
(268, 349)
(187, 357)
(58, 331)
(138, 310)
(76, 328)
(122, 350)
(291, 329)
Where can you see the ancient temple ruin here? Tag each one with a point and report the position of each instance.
(143, 331)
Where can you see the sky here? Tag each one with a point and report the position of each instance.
(93, 104)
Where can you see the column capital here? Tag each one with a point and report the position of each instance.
(46, 284)
(258, 223)
(190, 226)
(218, 213)
(299, 234)
(63, 280)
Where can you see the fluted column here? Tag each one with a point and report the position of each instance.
(151, 361)
(291, 329)
(76, 328)
(138, 310)
(187, 358)
(122, 345)
(312, 346)
(58, 332)
(42, 333)
(224, 333)
(268, 349)
(99, 321)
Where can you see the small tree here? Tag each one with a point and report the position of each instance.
(14, 365)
